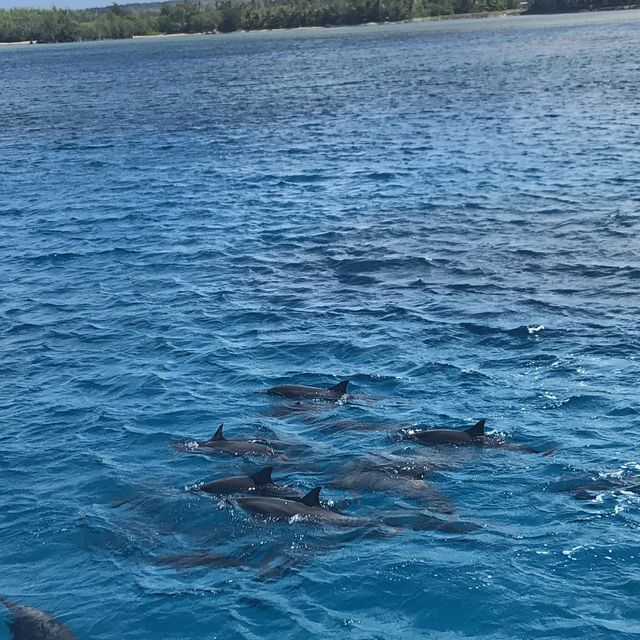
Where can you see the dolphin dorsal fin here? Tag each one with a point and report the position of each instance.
(312, 499)
(477, 431)
(218, 434)
(262, 477)
(340, 388)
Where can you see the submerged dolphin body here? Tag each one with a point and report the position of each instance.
(593, 488)
(29, 623)
(297, 408)
(197, 559)
(385, 481)
(474, 435)
(259, 483)
(219, 444)
(307, 509)
(357, 425)
(299, 391)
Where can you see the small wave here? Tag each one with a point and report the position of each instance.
(580, 402)
(356, 279)
(62, 256)
(368, 265)
(525, 331)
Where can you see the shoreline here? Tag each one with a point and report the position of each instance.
(453, 16)
(508, 13)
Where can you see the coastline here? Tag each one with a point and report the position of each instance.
(455, 16)
(508, 13)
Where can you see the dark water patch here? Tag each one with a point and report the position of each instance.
(356, 279)
(20, 328)
(498, 333)
(624, 411)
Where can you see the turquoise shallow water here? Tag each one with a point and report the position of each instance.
(447, 214)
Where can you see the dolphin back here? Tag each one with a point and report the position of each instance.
(29, 623)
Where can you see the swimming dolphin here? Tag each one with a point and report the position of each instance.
(357, 425)
(592, 488)
(385, 481)
(312, 393)
(197, 559)
(297, 408)
(29, 623)
(307, 509)
(474, 435)
(592, 492)
(259, 483)
(219, 444)
(238, 483)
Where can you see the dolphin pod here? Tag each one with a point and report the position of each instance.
(29, 623)
(267, 500)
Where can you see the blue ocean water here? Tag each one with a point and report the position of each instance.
(447, 214)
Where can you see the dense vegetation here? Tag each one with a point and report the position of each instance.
(189, 16)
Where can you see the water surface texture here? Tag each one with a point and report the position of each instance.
(447, 214)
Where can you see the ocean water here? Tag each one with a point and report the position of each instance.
(447, 214)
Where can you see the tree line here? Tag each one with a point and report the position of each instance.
(191, 16)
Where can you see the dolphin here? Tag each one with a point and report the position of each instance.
(307, 509)
(29, 623)
(417, 468)
(356, 425)
(592, 492)
(197, 559)
(297, 408)
(426, 522)
(474, 435)
(592, 488)
(385, 481)
(259, 483)
(312, 393)
(219, 444)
